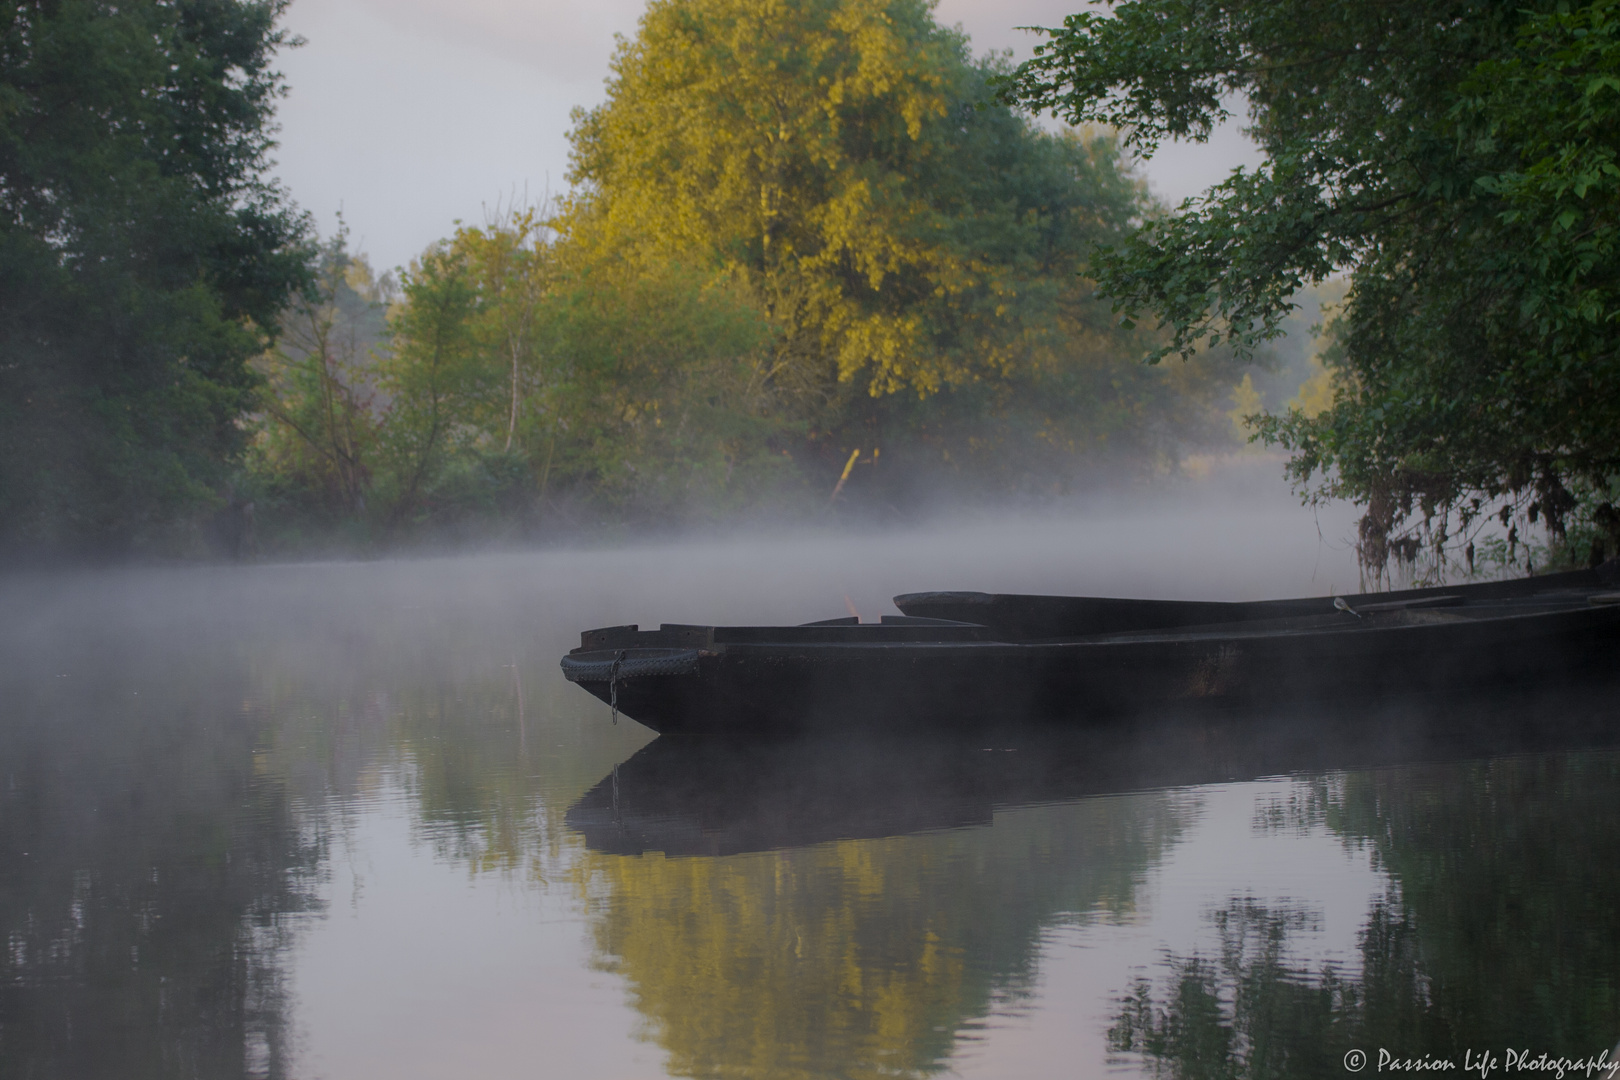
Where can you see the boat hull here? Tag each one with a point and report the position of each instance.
(793, 688)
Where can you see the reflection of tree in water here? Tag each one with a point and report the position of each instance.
(486, 741)
(861, 958)
(147, 874)
(176, 752)
(476, 783)
(174, 770)
(1248, 1013)
(1498, 931)
(1508, 870)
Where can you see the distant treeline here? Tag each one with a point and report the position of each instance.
(802, 252)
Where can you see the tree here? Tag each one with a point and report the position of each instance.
(320, 420)
(654, 404)
(434, 377)
(143, 255)
(908, 243)
(514, 382)
(510, 261)
(782, 142)
(1456, 159)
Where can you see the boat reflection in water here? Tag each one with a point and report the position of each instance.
(864, 908)
(708, 796)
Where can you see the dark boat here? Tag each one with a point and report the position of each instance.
(971, 661)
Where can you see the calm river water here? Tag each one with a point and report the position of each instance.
(347, 820)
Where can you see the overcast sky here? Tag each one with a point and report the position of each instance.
(410, 114)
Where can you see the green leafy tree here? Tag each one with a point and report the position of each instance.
(518, 387)
(1456, 159)
(510, 262)
(320, 422)
(143, 255)
(656, 405)
(434, 379)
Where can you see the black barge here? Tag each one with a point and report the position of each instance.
(961, 661)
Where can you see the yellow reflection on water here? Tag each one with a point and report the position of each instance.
(862, 958)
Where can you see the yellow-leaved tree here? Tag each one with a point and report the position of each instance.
(787, 142)
(906, 240)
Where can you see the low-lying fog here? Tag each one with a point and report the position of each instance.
(1240, 535)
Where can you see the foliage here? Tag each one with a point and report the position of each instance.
(437, 379)
(320, 424)
(515, 381)
(795, 231)
(794, 144)
(919, 253)
(496, 388)
(658, 407)
(1457, 159)
(143, 256)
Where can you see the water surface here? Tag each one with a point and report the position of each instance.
(347, 820)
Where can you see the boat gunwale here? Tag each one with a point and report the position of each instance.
(1338, 626)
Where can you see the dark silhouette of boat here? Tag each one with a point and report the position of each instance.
(976, 661)
(705, 796)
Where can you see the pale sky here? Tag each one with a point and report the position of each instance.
(410, 114)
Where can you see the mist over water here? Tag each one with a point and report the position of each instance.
(347, 819)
